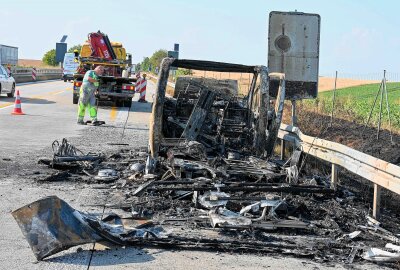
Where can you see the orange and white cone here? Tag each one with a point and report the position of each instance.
(17, 106)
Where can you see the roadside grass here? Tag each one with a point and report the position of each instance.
(355, 103)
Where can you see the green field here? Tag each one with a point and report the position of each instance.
(357, 101)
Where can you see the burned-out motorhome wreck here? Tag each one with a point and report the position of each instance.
(210, 180)
(210, 114)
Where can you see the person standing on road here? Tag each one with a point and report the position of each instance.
(87, 94)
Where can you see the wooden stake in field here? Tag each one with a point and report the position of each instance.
(382, 91)
(373, 107)
(380, 107)
(333, 99)
(388, 107)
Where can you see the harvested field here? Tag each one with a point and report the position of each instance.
(327, 83)
(324, 83)
(32, 63)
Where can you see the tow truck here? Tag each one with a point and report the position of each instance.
(116, 85)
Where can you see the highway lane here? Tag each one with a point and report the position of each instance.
(50, 115)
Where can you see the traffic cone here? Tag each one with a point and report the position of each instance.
(17, 106)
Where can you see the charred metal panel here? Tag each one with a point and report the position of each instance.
(295, 90)
(158, 105)
(199, 114)
(261, 112)
(212, 66)
(293, 49)
(51, 225)
(276, 118)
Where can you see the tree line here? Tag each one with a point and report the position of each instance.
(49, 58)
(149, 64)
(152, 64)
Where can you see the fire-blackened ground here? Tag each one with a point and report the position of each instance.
(26, 186)
(351, 134)
(363, 139)
(332, 218)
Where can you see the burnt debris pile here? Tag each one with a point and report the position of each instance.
(209, 181)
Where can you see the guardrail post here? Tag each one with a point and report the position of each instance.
(334, 176)
(377, 201)
(283, 146)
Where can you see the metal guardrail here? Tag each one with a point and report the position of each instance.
(25, 74)
(20, 70)
(171, 84)
(48, 71)
(38, 70)
(379, 172)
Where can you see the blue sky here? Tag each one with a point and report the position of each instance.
(356, 36)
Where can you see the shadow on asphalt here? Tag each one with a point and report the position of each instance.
(36, 101)
(28, 100)
(110, 257)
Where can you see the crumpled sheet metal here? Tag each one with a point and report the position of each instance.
(50, 225)
(107, 175)
(120, 235)
(208, 199)
(223, 217)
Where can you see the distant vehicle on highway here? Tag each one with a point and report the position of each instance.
(69, 67)
(8, 55)
(7, 82)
